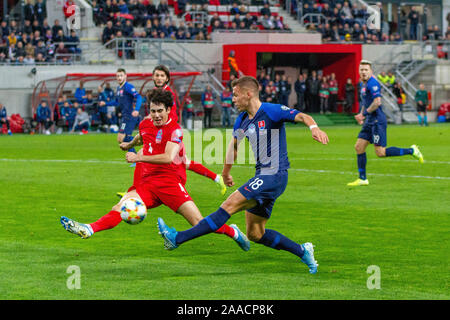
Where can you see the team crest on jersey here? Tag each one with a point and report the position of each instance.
(177, 134)
(159, 136)
(261, 125)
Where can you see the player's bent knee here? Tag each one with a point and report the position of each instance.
(380, 152)
(254, 235)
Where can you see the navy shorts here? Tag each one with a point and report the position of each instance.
(127, 125)
(265, 189)
(374, 133)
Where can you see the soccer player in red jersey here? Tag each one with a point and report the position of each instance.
(161, 79)
(163, 173)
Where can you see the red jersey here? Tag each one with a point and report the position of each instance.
(154, 142)
(173, 110)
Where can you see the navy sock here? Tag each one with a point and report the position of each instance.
(276, 240)
(128, 139)
(395, 152)
(209, 224)
(362, 161)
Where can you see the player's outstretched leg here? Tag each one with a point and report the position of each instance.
(417, 154)
(275, 240)
(172, 238)
(240, 238)
(362, 180)
(83, 230)
(308, 257)
(169, 235)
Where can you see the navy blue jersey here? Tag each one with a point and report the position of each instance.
(3, 114)
(368, 92)
(125, 96)
(267, 136)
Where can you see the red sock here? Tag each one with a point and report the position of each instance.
(202, 170)
(137, 174)
(226, 230)
(106, 222)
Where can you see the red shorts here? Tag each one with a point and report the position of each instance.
(157, 192)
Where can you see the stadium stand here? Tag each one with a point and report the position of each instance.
(127, 31)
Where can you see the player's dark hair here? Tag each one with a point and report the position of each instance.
(164, 69)
(246, 82)
(121, 70)
(160, 96)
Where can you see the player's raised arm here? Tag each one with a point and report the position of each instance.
(316, 133)
(171, 151)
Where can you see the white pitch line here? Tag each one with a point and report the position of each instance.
(238, 166)
(375, 159)
(370, 174)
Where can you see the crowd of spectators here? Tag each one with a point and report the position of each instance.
(314, 91)
(81, 112)
(35, 41)
(347, 22)
(143, 19)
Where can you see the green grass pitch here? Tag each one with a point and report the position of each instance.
(400, 223)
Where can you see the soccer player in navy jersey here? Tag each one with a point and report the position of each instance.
(126, 94)
(263, 125)
(374, 124)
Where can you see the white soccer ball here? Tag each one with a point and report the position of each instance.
(133, 211)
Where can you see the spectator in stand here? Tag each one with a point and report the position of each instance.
(227, 101)
(285, 90)
(312, 89)
(40, 11)
(300, 88)
(163, 10)
(234, 9)
(421, 99)
(29, 60)
(349, 96)
(383, 78)
(333, 88)
(324, 94)
(108, 32)
(43, 116)
(267, 22)
(269, 95)
(265, 10)
(81, 122)
(20, 50)
(208, 103)
(400, 95)
(28, 11)
(4, 119)
(40, 59)
(56, 28)
(74, 41)
(413, 18)
(390, 80)
(188, 112)
(97, 13)
(437, 32)
(128, 29)
(62, 54)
